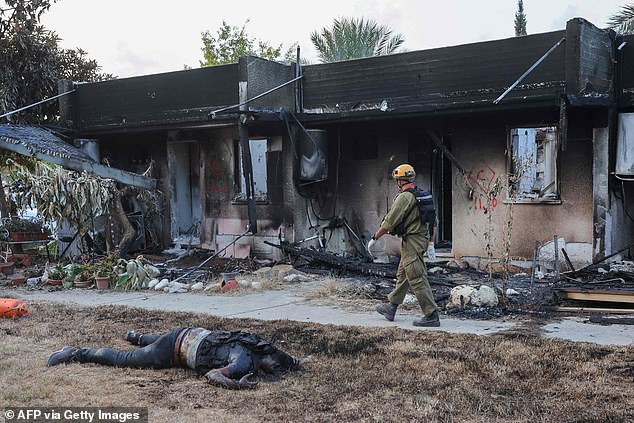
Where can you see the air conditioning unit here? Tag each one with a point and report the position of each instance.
(313, 150)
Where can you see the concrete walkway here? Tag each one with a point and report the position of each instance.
(287, 304)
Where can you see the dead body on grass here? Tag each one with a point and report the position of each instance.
(229, 359)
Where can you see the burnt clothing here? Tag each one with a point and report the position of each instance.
(411, 268)
(235, 353)
(241, 353)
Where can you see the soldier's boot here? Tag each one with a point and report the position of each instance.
(433, 320)
(65, 355)
(387, 310)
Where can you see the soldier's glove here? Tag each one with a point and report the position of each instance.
(431, 251)
(371, 244)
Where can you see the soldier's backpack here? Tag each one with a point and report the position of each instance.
(426, 210)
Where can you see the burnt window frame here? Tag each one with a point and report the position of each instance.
(550, 195)
(239, 196)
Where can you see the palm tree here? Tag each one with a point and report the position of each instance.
(351, 38)
(623, 22)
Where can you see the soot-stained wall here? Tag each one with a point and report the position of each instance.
(480, 147)
(133, 152)
(360, 188)
(224, 216)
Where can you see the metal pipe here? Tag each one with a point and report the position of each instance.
(535, 261)
(568, 262)
(38, 103)
(297, 73)
(213, 114)
(556, 257)
(541, 59)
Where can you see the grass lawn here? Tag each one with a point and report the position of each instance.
(358, 374)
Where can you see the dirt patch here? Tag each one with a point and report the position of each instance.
(358, 374)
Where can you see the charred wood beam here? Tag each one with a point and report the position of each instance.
(333, 260)
(371, 269)
(436, 139)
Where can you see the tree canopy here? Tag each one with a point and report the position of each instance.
(31, 62)
(351, 38)
(232, 42)
(520, 19)
(623, 21)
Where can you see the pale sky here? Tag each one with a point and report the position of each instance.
(138, 37)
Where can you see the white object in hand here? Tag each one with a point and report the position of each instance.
(371, 244)
(431, 251)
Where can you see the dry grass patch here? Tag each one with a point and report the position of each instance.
(329, 288)
(358, 374)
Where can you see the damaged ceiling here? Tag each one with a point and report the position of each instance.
(42, 144)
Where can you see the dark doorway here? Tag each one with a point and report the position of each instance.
(433, 173)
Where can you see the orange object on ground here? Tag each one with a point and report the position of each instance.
(229, 285)
(12, 308)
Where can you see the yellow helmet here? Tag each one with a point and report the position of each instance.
(404, 172)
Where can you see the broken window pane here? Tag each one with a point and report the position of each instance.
(533, 164)
(258, 161)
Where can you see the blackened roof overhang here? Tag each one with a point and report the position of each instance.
(42, 144)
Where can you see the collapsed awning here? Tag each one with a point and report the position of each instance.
(41, 144)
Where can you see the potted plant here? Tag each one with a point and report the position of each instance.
(83, 279)
(103, 273)
(56, 275)
(21, 230)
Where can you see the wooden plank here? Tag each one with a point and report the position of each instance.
(606, 296)
(594, 310)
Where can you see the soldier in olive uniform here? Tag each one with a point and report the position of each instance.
(404, 220)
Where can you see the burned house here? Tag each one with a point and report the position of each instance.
(522, 139)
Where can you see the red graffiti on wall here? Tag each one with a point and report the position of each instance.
(482, 178)
(480, 202)
(218, 183)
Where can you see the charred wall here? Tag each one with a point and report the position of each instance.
(625, 72)
(262, 75)
(224, 214)
(134, 153)
(589, 59)
(360, 188)
(480, 147)
(161, 99)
